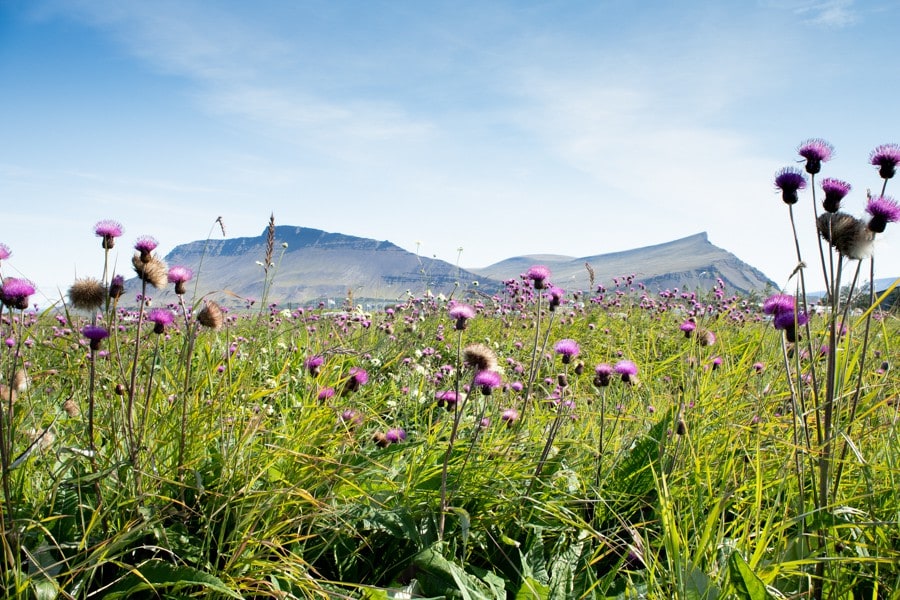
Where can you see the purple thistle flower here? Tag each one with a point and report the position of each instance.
(759, 367)
(359, 375)
(789, 180)
(462, 313)
(602, 374)
(117, 286)
(349, 417)
(815, 151)
(358, 378)
(778, 304)
(688, 328)
(568, 349)
(627, 369)
(179, 276)
(884, 210)
(395, 435)
(145, 245)
(314, 363)
(886, 157)
(161, 318)
(4, 252)
(109, 230)
(487, 381)
(538, 274)
(95, 334)
(325, 393)
(509, 416)
(556, 296)
(835, 190)
(447, 397)
(15, 292)
(789, 321)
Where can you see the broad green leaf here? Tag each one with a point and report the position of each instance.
(532, 589)
(441, 576)
(744, 581)
(698, 585)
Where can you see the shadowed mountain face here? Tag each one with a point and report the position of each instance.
(309, 265)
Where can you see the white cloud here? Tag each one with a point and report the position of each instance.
(827, 13)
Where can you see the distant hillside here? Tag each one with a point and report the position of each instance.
(688, 263)
(315, 265)
(312, 265)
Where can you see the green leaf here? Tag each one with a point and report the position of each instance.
(532, 589)
(156, 575)
(746, 584)
(440, 576)
(698, 585)
(534, 565)
(464, 522)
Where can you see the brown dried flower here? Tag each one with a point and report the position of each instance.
(480, 357)
(211, 315)
(152, 271)
(847, 234)
(87, 294)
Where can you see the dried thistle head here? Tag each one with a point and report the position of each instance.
(480, 357)
(87, 294)
(20, 381)
(846, 234)
(211, 315)
(7, 394)
(44, 438)
(152, 271)
(71, 408)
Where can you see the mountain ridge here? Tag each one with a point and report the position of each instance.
(691, 261)
(310, 264)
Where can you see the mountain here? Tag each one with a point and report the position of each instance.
(688, 263)
(310, 265)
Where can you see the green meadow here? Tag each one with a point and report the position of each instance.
(322, 453)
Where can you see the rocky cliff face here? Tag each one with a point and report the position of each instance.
(310, 265)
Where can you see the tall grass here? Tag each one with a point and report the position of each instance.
(311, 454)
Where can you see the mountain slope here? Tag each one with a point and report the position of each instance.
(311, 265)
(689, 262)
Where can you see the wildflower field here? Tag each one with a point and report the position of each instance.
(612, 442)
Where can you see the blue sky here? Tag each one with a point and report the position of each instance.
(502, 128)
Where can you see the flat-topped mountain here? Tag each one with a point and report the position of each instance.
(312, 265)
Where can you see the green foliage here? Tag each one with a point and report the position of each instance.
(276, 490)
(745, 584)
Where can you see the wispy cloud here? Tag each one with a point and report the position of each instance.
(827, 13)
(240, 69)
